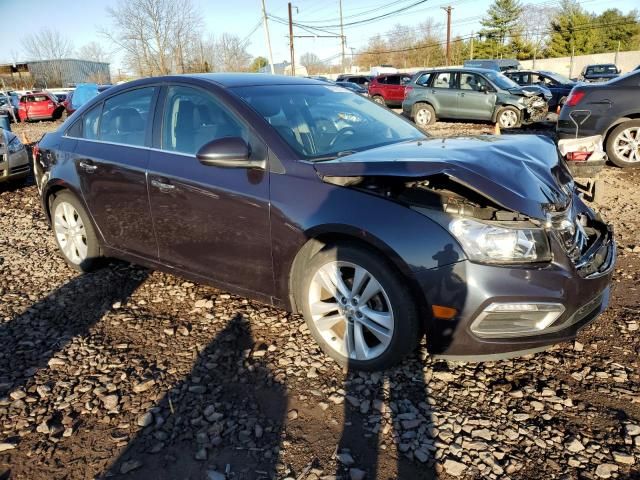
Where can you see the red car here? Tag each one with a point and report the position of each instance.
(39, 106)
(388, 89)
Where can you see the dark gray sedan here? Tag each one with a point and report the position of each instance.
(304, 195)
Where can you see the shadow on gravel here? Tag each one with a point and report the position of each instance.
(226, 383)
(31, 340)
(361, 434)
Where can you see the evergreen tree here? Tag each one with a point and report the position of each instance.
(258, 63)
(572, 29)
(613, 27)
(501, 20)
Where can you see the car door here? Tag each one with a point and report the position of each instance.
(557, 92)
(209, 221)
(444, 94)
(476, 99)
(394, 89)
(111, 158)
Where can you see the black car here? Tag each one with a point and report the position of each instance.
(363, 80)
(354, 87)
(312, 198)
(559, 85)
(599, 73)
(610, 109)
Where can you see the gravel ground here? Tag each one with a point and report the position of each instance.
(128, 373)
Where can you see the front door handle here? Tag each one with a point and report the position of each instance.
(87, 166)
(162, 186)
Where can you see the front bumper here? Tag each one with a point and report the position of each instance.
(581, 287)
(14, 165)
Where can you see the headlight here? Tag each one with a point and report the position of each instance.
(15, 145)
(490, 243)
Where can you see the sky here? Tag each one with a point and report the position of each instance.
(81, 21)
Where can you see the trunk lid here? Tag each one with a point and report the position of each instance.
(519, 172)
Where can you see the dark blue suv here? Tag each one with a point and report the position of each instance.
(559, 85)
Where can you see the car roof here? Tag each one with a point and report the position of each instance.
(600, 65)
(250, 79)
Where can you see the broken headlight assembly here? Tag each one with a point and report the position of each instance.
(497, 243)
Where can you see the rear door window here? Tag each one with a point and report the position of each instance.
(125, 117)
(393, 80)
(90, 122)
(193, 117)
(444, 80)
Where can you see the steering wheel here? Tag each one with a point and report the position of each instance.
(341, 134)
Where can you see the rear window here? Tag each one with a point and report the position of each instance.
(39, 98)
(601, 69)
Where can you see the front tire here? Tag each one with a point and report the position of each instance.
(508, 117)
(74, 233)
(379, 100)
(358, 309)
(623, 144)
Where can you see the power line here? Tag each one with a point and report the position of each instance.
(585, 26)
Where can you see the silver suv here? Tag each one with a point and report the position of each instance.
(473, 94)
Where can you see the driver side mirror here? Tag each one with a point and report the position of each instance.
(228, 152)
(483, 88)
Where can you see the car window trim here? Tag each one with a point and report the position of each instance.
(140, 147)
(152, 104)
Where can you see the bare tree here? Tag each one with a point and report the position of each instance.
(156, 35)
(47, 44)
(93, 51)
(312, 63)
(229, 54)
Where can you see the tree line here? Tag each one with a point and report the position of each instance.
(510, 29)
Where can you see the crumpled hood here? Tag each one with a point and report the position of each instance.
(519, 172)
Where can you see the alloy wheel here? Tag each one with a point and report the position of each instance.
(379, 100)
(351, 310)
(508, 119)
(423, 117)
(627, 144)
(70, 232)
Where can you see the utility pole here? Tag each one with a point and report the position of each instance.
(293, 58)
(266, 33)
(341, 34)
(448, 10)
(471, 49)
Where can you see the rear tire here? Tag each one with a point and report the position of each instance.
(379, 100)
(358, 329)
(74, 233)
(623, 144)
(424, 114)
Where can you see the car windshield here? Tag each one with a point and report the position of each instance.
(501, 80)
(558, 78)
(321, 122)
(601, 69)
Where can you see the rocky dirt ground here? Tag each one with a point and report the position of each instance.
(133, 374)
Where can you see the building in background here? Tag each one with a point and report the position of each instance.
(54, 73)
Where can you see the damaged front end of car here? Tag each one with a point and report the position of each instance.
(540, 260)
(536, 106)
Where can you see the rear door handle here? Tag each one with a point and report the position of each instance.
(87, 166)
(162, 186)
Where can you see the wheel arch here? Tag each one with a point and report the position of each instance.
(321, 237)
(421, 102)
(625, 118)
